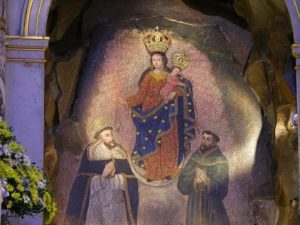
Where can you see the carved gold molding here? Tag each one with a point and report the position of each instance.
(297, 67)
(26, 60)
(294, 47)
(27, 37)
(27, 17)
(38, 16)
(26, 48)
(35, 14)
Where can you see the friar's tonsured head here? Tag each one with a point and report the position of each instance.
(105, 132)
(208, 140)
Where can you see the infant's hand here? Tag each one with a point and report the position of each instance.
(182, 84)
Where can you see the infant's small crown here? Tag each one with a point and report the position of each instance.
(180, 60)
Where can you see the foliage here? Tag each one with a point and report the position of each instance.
(25, 184)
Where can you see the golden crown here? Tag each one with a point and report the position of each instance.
(157, 41)
(180, 60)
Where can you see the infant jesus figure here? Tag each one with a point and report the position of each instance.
(169, 91)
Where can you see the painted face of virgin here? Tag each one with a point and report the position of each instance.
(157, 62)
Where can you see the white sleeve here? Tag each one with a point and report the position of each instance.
(118, 182)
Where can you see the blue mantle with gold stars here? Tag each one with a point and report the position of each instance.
(152, 124)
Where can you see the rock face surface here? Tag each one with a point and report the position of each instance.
(224, 104)
(103, 64)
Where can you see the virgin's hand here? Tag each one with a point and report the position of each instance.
(121, 101)
(171, 95)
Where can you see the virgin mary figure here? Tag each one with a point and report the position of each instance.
(163, 129)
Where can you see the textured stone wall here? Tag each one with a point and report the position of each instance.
(224, 104)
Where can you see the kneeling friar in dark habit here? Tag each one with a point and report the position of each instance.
(205, 179)
(104, 191)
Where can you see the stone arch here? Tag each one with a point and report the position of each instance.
(35, 16)
(294, 12)
(28, 17)
(23, 42)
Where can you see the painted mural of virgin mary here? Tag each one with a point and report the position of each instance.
(164, 129)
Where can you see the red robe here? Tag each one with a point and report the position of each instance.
(163, 162)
